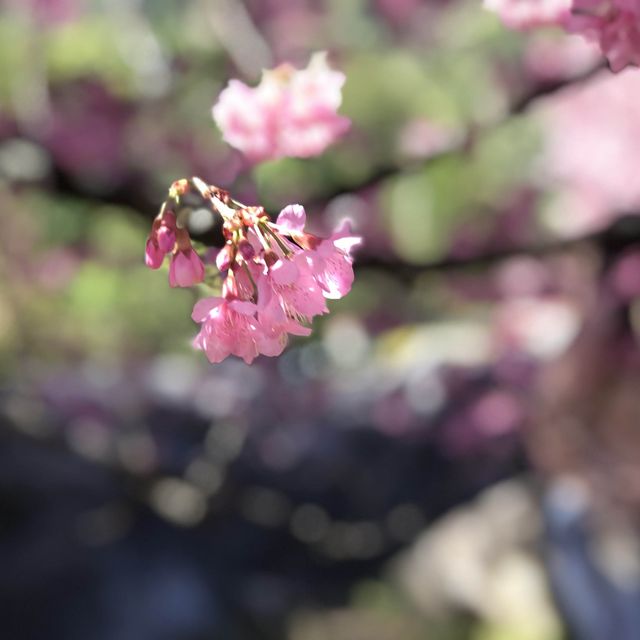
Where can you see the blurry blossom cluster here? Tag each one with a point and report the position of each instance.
(345, 489)
(614, 25)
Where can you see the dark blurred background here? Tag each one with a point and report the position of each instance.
(453, 454)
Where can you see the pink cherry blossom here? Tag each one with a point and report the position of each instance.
(290, 113)
(330, 259)
(526, 14)
(186, 268)
(290, 290)
(591, 154)
(229, 327)
(277, 276)
(332, 262)
(292, 219)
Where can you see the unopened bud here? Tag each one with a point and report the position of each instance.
(166, 238)
(153, 256)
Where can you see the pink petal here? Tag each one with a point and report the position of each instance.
(284, 272)
(292, 218)
(166, 238)
(203, 307)
(197, 267)
(243, 307)
(343, 237)
(153, 255)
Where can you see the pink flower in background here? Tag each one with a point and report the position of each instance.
(592, 152)
(291, 113)
(549, 57)
(47, 12)
(527, 14)
(613, 24)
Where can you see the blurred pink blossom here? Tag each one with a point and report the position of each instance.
(625, 274)
(290, 113)
(592, 152)
(540, 327)
(47, 12)
(613, 24)
(549, 57)
(421, 138)
(526, 14)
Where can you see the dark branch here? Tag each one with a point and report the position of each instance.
(623, 233)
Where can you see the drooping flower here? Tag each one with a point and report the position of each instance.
(153, 255)
(186, 268)
(229, 327)
(291, 113)
(161, 240)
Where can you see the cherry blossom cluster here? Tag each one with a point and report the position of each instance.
(590, 152)
(290, 113)
(613, 24)
(275, 277)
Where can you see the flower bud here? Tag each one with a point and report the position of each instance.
(153, 255)
(166, 238)
(186, 268)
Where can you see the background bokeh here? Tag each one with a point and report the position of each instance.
(454, 453)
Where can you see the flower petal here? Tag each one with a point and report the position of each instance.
(292, 218)
(203, 308)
